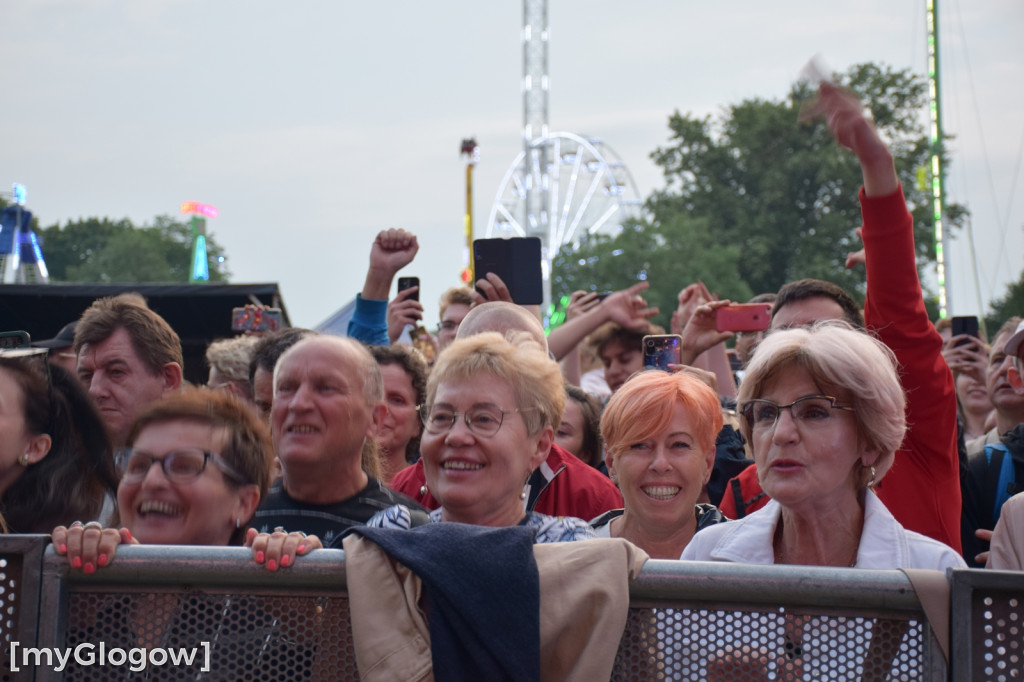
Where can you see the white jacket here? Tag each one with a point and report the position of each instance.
(884, 543)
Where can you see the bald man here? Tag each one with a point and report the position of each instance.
(562, 485)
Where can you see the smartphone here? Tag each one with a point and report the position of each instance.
(743, 317)
(965, 324)
(256, 319)
(516, 261)
(601, 295)
(661, 350)
(408, 283)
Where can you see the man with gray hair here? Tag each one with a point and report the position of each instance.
(328, 403)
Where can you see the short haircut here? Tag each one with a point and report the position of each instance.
(1009, 327)
(247, 446)
(645, 404)
(231, 357)
(412, 363)
(152, 338)
(519, 361)
(454, 296)
(610, 332)
(846, 363)
(270, 348)
(369, 377)
(590, 408)
(804, 289)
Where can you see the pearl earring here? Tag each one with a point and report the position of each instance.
(23, 460)
(423, 489)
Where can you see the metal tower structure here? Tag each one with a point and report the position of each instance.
(19, 243)
(563, 185)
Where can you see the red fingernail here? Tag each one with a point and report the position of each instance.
(101, 560)
(301, 549)
(89, 568)
(285, 560)
(63, 549)
(271, 565)
(77, 562)
(259, 557)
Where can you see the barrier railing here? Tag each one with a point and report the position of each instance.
(163, 613)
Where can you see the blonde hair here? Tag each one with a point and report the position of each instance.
(645, 404)
(231, 357)
(518, 360)
(849, 364)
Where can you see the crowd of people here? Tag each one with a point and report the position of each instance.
(851, 436)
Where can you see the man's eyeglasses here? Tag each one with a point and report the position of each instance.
(809, 410)
(179, 466)
(483, 420)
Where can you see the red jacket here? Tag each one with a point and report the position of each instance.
(561, 486)
(922, 489)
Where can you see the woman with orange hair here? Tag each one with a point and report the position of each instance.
(659, 431)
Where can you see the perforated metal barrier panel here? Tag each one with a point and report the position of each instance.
(688, 621)
(988, 625)
(20, 573)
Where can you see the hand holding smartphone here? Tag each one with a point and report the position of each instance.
(965, 324)
(743, 317)
(408, 283)
(661, 350)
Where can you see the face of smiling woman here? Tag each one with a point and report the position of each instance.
(479, 479)
(200, 511)
(662, 476)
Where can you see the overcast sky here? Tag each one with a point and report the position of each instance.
(313, 125)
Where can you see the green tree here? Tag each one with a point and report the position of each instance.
(1002, 309)
(104, 250)
(753, 200)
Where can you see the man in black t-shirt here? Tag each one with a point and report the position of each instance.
(328, 401)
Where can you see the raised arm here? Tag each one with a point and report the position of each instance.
(392, 250)
(627, 308)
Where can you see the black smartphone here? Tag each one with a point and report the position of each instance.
(965, 324)
(661, 350)
(516, 261)
(408, 283)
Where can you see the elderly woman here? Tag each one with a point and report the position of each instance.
(659, 430)
(492, 408)
(824, 413)
(196, 466)
(55, 463)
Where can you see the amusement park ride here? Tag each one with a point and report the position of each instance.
(562, 186)
(19, 244)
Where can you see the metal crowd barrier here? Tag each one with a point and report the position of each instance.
(686, 620)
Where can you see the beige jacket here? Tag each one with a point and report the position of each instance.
(584, 601)
(1007, 549)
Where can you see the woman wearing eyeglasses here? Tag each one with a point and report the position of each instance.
(195, 468)
(492, 408)
(823, 411)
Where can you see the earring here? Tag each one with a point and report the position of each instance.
(871, 481)
(23, 460)
(522, 495)
(423, 490)
(238, 522)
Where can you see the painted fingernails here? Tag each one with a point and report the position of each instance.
(76, 562)
(301, 549)
(260, 557)
(88, 569)
(101, 560)
(271, 565)
(286, 560)
(63, 548)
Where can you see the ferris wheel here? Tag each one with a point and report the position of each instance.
(589, 190)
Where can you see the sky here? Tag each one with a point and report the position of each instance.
(314, 125)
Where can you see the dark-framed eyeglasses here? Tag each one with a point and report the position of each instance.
(179, 466)
(484, 420)
(807, 411)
